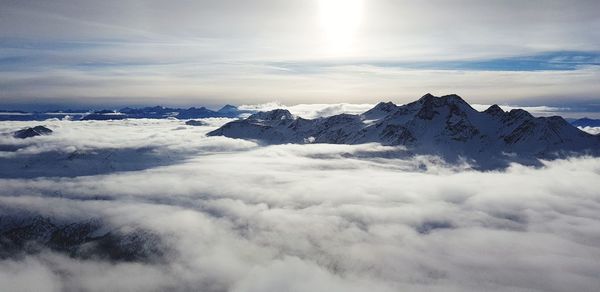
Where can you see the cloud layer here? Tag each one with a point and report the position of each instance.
(310, 217)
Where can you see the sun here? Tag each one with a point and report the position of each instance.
(339, 21)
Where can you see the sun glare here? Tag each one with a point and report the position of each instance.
(340, 20)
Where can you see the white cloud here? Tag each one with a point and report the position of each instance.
(28, 275)
(291, 30)
(591, 130)
(313, 217)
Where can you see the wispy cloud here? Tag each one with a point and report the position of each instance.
(123, 51)
(210, 85)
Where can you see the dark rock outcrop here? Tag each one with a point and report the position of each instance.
(32, 132)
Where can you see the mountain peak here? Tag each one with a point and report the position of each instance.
(272, 115)
(385, 104)
(228, 108)
(494, 110)
(520, 113)
(430, 105)
(445, 99)
(427, 97)
(32, 132)
(381, 110)
(453, 97)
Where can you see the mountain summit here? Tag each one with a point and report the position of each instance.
(446, 126)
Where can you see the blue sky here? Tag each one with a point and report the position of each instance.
(546, 61)
(312, 51)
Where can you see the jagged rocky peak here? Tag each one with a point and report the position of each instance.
(494, 110)
(429, 106)
(429, 100)
(32, 132)
(381, 110)
(456, 100)
(273, 115)
(386, 106)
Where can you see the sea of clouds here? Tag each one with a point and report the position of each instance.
(237, 216)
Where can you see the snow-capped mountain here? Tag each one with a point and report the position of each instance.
(446, 126)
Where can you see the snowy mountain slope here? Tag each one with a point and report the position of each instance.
(446, 126)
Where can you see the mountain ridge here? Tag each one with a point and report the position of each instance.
(586, 122)
(154, 112)
(446, 126)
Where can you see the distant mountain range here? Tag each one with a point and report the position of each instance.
(586, 122)
(160, 112)
(156, 112)
(446, 126)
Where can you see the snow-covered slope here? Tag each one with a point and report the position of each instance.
(446, 126)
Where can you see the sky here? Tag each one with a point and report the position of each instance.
(112, 53)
